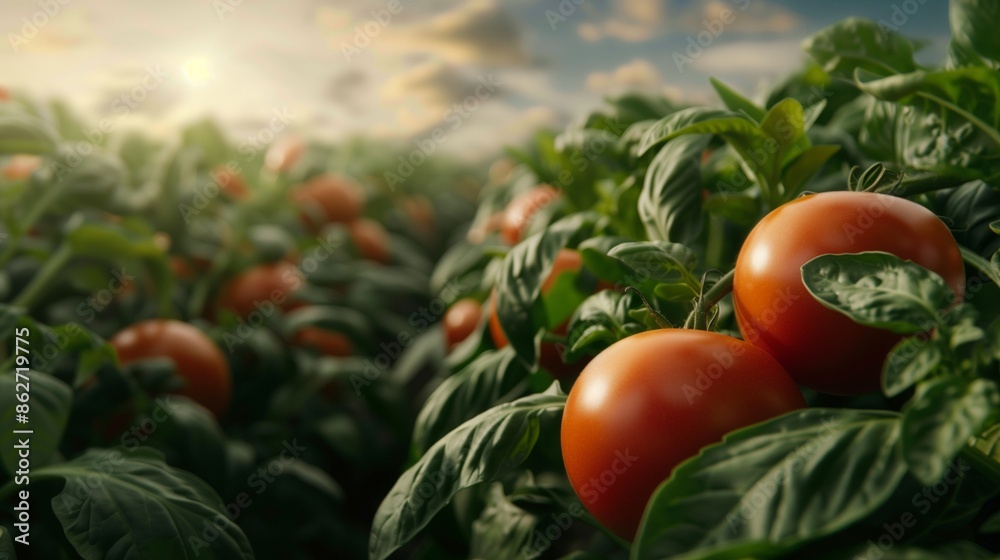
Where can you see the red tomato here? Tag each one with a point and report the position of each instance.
(231, 184)
(652, 400)
(328, 343)
(197, 359)
(370, 239)
(549, 357)
(822, 349)
(262, 288)
(522, 209)
(284, 154)
(461, 320)
(21, 166)
(328, 199)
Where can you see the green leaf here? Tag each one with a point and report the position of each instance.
(947, 551)
(785, 123)
(502, 530)
(685, 121)
(492, 378)
(987, 267)
(522, 274)
(351, 322)
(6, 545)
(911, 360)
(940, 419)
(660, 261)
(190, 438)
(24, 134)
(484, 449)
(878, 289)
(670, 202)
(132, 505)
(995, 227)
(736, 102)
(599, 322)
(49, 404)
(803, 167)
(860, 43)
(769, 488)
(988, 442)
(972, 26)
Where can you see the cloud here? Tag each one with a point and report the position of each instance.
(750, 58)
(748, 16)
(632, 21)
(638, 75)
(421, 96)
(477, 32)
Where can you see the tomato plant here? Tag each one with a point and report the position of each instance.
(775, 311)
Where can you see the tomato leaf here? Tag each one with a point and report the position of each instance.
(860, 43)
(483, 449)
(774, 486)
(6, 545)
(910, 361)
(25, 134)
(878, 289)
(805, 165)
(736, 102)
(502, 530)
(670, 201)
(492, 378)
(940, 419)
(49, 408)
(523, 271)
(971, 28)
(988, 268)
(133, 505)
(599, 322)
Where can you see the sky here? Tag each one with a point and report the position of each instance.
(469, 75)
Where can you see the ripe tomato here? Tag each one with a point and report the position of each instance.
(822, 349)
(284, 154)
(652, 400)
(21, 166)
(197, 359)
(231, 184)
(522, 209)
(549, 357)
(328, 343)
(370, 239)
(461, 320)
(261, 288)
(326, 199)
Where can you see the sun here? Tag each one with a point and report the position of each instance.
(197, 70)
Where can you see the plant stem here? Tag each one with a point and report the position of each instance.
(920, 184)
(981, 463)
(53, 266)
(707, 300)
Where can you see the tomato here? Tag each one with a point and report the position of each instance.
(652, 400)
(461, 320)
(370, 239)
(231, 184)
(328, 199)
(197, 359)
(419, 211)
(262, 288)
(549, 356)
(4, 94)
(822, 349)
(21, 166)
(328, 343)
(519, 212)
(284, 154)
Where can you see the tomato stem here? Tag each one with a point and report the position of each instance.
(697, 319)
(981, 462)
(53, 266)
(660, 319)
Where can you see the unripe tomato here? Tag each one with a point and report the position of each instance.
(370, 239)
(652, 400)
(328, 199)
(260, 288)
(821, 348)
(197, 359)
(549, 357)
(461, 320)
(522, 209)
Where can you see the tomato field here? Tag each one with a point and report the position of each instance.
(750, 328)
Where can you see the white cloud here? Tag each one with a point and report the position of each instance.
(632, 21)
(750, 16)
(750, 58)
